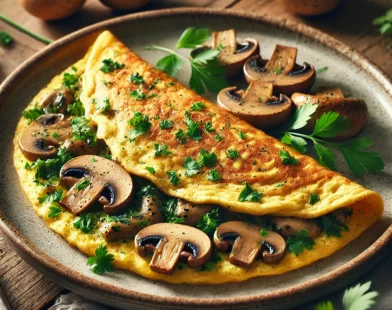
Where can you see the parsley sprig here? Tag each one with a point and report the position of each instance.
(330, 124)
(206, 72)
(384, 22)
(102, 261)
(298, 243)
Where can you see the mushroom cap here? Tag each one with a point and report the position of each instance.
(108, 183)
(290, 226)
(37, 140)
(246, 242)
(234, 54)
(256, 106)
(57, 101)
(192, 213)
(281, 70)
(354, 109)
(170, 242)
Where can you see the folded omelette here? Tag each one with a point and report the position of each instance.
(285, 189)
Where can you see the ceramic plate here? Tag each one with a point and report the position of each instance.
(51, 255)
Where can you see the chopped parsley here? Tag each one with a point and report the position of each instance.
(5, 38)
(193, 131)
(263, 232)
(161, 150)
(249, 194)
(209, 222)
(299, 243)
(192, 167)
(198, 106)
(332, 226)
(55, 211)
(211, 265)
(102, 262)
(85, 223)
(287, 159)
(109, 65)
(150, 169)
(32, 114)
(207, 159)
(139, 95)
(83, 130)
(232, 153)
(218, 137)
(180, 135)
(169, 211)
(76, 108)
(166, 124)
(208, 127)
(103, 106)
(213, 175)
(55, 135)
(137, 78)
(314, 198)
(70, 81)
(82, 184)
(55, 196)
(141, 124)
(277, 71)
(242, 135)
(323, 69)
(173, 178)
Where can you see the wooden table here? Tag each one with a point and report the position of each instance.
(351, 22)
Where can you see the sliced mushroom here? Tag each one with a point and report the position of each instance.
(170, 242)
(246, 242)
(281, 70)
(57, 101)
(257, 105)
(290, 226)
(190, 212)
(355, 110)
(95, 179)
(80, 147)
(42, 137)
(149, 214)
(233, 54)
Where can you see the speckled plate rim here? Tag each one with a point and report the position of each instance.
(331, 281)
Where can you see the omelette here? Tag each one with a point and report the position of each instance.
(178, 149)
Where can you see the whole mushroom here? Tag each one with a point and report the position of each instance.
(257, 105)
(281, 70)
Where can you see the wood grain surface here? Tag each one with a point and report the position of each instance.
(351, 23)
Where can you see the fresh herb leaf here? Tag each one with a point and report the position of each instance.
(209, 222)
(55, 211)
(214, 175)
(299, 243)
(192, 167)
(198, 106)
(32, 114)
(211, 76)
(166, 124)
(141, 125)
(323, 69)
(314, 198)
(103, 106)
(263, 232)
(302, 115)
(192, 37)
(82, 184)
(170, 64)
(326, 156)
(324, 306)
(109, 65)
(277, 71)
(150, 169)
(70, 81)
(207, 159)
(148, 190)
(193, 131)
(5, 38)
(358, 297)
(329, 125)
(208, 127)
(297, 143)
(54, 196)
(332, 226)
(180, 135)
(137, 78)
(384, 22)
(287, 159)
(76, 108)
(206, 55)
(360, 160)
(102, 262)
(242, 135)
(169, 211)
(211, 265)
(173, 178)
(218, 137)
(85, 223)
(249, 194)
(161, 150)
(139, 95)
(232, 153)
(83, 130)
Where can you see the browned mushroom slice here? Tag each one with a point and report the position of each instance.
(190, 212)
(149, 214)
(80, 147)
(281, 70)
(42, 137)
(354, 109)
(329, 92)
(57, 101)
(170, 242)
(95, 179)
(246, 242)
(290, 226)
(257, 105)
(233, 54)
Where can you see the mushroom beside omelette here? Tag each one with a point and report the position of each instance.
(186, 162)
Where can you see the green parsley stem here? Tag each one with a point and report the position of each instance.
(20, 28)
(312, 138)
(168, 50)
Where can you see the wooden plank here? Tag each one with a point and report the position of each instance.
(24, 287)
